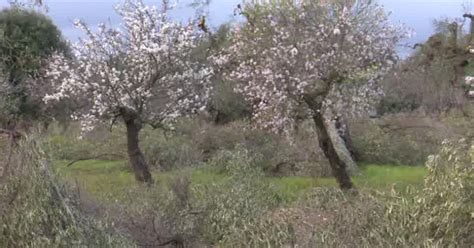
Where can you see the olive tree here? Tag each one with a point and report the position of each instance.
(322, 56)
(27, 38)
(140, 73)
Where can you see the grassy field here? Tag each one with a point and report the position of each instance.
(107, 180)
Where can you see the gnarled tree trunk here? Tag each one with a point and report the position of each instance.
(341, 143)
(135, 156)
(338, 166)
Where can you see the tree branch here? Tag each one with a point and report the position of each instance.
(95, 157)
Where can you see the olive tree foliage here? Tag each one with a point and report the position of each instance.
(141, 73)
(322, 56)
(27, 38)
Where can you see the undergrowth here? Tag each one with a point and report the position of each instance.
(38, 211)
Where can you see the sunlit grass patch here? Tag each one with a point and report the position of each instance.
(381, 177)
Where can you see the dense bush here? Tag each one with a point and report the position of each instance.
(237, 208)
(348, 218)
(443, 210)
(228, 106)
(274, 154)
(27, 38)
(406, 139)
(438, 215)
(232, 212)
(387, 142)
(391, 104)
(37, 211)
(168, 151)
(163, 215)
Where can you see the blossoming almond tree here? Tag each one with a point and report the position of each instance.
(293, 54)
(140, 73)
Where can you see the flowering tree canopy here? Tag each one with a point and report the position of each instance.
(289, 52)
(294, 54)
(142, 72)
(145, 66)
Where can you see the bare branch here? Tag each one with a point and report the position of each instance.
(96, 157)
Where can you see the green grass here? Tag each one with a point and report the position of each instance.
(375, 177)
(101, 179)
(107, 180)
(385, 176)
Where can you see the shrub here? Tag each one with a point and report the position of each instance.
(444, 208)
(163, 215)
(349, 219)
(438, 215)
(37, 211)
(394, 104)
(237, 208)
(302, 157)
(169, 151)
(228, 105)
(377, 145)
(233, 212)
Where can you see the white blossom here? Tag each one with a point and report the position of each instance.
(294, 52)
(312, 50)
(144, 66)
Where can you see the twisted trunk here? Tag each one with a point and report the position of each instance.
(135, 156)
(338, 166)
(339, 134)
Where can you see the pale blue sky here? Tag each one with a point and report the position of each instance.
(417, 14)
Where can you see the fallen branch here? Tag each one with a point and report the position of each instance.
(95, 157)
